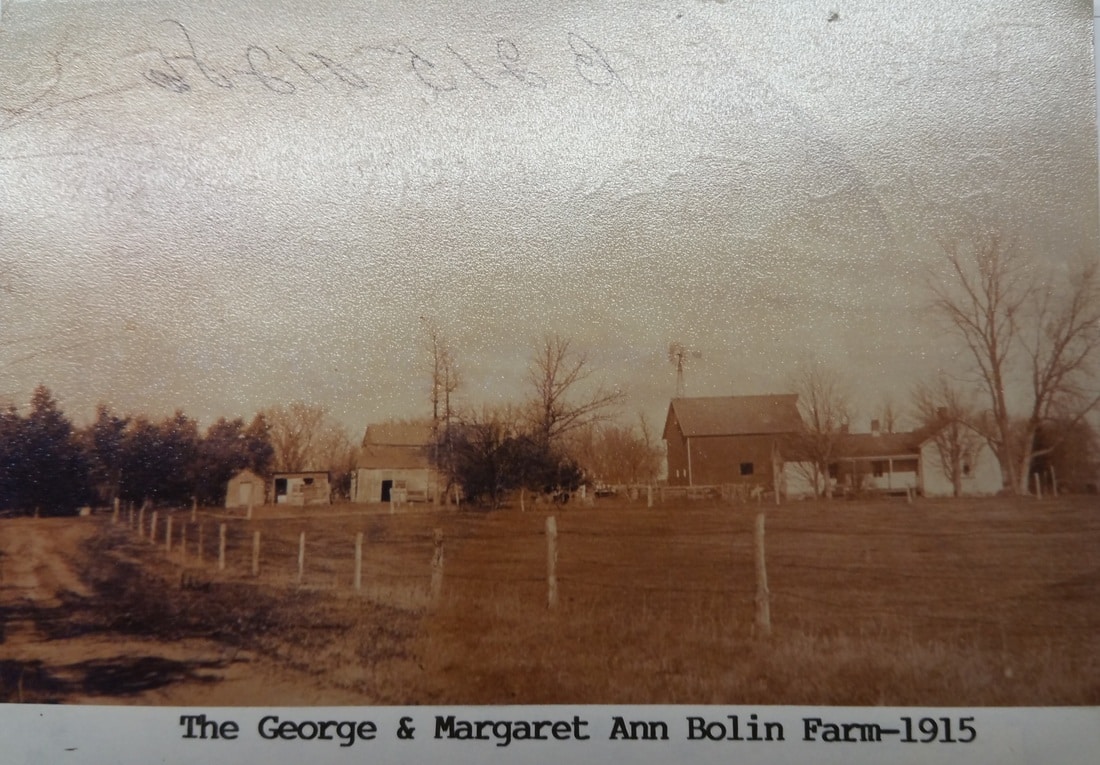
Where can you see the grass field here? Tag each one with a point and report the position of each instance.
(969, 602)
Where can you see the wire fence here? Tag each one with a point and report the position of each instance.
(848, 567)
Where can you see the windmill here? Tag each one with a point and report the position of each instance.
(677, 355)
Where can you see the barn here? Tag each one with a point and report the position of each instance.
(395, 464)
(245, 488)
(716, 440)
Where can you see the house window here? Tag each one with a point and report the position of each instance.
(878, 468)
(746, 468)
(307, 481)
(967, 467)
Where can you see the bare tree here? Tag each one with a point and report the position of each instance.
(950, 416)
(889, 414)
(557, 376)
(825, 405)
(1062, 346)
(617, 454)
(444, 374)
(293, 430)
(1015, 323)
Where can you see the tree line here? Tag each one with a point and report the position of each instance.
(49, 466)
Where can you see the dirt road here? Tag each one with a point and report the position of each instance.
(56, 647)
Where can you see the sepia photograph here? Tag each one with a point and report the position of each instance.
(686, 352)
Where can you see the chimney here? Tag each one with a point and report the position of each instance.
(876, 428)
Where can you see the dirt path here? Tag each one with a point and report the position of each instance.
(52, 648)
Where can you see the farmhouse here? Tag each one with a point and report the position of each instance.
(979, 471)
(305, 488)
(395, 464)
(899, 462)
(245, 488)
(728, 439)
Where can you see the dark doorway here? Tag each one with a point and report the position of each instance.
(386, 486)
(280, 489)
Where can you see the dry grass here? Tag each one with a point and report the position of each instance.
(991, 602)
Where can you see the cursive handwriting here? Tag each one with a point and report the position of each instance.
(183, 66)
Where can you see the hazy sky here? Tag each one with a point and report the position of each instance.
(219, 208)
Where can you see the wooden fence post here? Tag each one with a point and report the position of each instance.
(1053, 483)
(199, 543)
(763, 625)
(168, 535)
(649, 495)
(255, 553)
(1038, 485)
(114, 515)
(359, 561)
(551, 562)
(153, 527)
(141, 520)
(301, 556)
(437, 565)
(250, 505)
(130, 515)
(183, 542)
(221, 547)
(194, 508)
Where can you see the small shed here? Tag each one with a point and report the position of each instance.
(245, 488)
(304, 488)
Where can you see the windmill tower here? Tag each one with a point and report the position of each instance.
(677, 356)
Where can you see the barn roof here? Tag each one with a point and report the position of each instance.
(399, 433)
(735, 415)
(374, 456)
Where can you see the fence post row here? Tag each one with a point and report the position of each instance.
(551, 562)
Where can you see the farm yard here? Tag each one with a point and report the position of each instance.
(961, 602)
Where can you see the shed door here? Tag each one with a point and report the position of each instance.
(244, 494)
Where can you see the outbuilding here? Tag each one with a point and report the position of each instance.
(245, 489)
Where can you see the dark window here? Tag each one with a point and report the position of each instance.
(878, 468)
(746, 468)
(307, 481)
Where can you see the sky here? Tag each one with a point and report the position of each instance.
(219, 207)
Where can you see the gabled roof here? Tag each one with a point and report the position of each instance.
(373, 456)
(404, 433)
(246, 475)
(735, 415)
